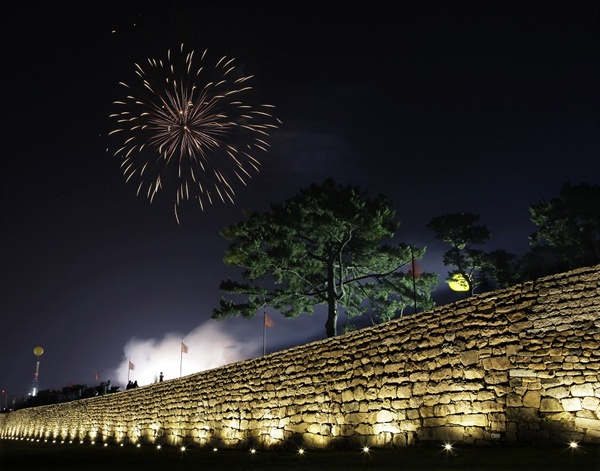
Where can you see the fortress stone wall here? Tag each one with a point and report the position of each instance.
(516, 365)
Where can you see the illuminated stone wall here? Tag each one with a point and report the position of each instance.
(520, 364)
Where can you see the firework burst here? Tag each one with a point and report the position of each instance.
(189, 128)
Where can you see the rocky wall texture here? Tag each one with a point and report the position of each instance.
(516, 365)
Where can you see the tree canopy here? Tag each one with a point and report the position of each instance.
(568, 227)
(462, 234)
(329, 245)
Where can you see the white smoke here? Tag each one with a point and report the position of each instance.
(208, 346)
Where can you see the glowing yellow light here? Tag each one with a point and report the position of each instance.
(365, 449)
(158, 447)
(138, 445)
(300, 451)
(573, 445)
(106, 444)
(182, 448)
(458, 282)
(448, 447)
(37, 351)
(252, 450)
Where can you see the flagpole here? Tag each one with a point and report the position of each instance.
(413, 279)
(128, 367)
(265, 332)
(181, 357)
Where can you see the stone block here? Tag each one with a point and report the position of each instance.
(441, 374)
(465, 420)
(419, 388)
(591, 424)
(571, 404)
(591, 403)
(514, 400)
(434, 422)
(419, 376)
(582, 390)
(496, 377)
(471, 373)
(384, 416)
(550, 404)
(388, 390)
(404, 391)
(532, 399)
(496, 363)
(521, 372)
(558, 393)
(470, 357)
(488, 406)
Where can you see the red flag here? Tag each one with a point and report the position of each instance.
(415, 270)
(268, 321)
(96, 377)
(131, 365)
(184, 348)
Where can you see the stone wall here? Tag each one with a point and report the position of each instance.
(515, 365)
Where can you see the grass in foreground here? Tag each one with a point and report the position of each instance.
(23, 455)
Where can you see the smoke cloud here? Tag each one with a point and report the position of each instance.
(208, 346)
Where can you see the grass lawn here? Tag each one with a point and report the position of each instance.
(24, 455)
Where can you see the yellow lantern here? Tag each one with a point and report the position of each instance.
(458, 282)
(37, 351)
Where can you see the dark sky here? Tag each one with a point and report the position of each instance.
(483, 107)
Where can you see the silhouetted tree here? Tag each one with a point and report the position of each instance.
(474, 266)
(568, 229)
(324, 246)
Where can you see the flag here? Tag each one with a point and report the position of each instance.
(268, 321)
(96, 377)
(415, 271)
(184, 348)
(131, 365)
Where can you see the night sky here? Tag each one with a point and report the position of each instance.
(482, 107)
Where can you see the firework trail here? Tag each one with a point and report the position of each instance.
(189, 128)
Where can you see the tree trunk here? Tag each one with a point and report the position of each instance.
(332, 310)
(332, 317)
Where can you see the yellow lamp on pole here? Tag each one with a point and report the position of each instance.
(458, 282)
(38, 351)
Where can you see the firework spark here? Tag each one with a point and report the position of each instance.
(190, 128)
